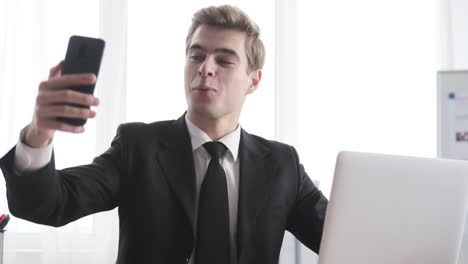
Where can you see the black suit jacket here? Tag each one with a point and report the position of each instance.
(148, 172)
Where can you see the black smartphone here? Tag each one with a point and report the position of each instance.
(84, 55)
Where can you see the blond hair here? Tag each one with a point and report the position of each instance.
(231, 17)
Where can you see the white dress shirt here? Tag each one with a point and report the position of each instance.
(30, 159)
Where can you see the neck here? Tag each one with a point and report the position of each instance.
(215, 128)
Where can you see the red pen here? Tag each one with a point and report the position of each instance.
(4, 219)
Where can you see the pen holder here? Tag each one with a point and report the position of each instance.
(2, 232)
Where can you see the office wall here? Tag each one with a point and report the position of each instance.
(459, 16)
(453, 37)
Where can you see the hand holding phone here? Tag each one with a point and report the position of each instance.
(63, 101)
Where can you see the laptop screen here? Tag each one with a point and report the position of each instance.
(395, 209)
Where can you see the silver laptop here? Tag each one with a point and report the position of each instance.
(395, 209)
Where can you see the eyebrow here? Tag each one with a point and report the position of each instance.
(218, 50)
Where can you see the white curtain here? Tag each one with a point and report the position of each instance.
(33, 37)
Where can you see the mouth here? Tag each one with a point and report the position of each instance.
(204, 89)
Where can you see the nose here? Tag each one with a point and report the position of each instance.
(207, 68)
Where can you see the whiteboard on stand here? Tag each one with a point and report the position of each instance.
(452, 93)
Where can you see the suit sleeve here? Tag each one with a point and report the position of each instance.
(57, 197)
(307, 217)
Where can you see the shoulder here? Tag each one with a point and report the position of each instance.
(277, 150)
(140, 128)
(144, 133)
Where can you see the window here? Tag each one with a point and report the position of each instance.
(367, 80)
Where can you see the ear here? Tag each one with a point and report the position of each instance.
(255, 77)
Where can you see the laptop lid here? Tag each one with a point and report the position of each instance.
(395, 209)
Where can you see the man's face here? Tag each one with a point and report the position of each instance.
(216, 77)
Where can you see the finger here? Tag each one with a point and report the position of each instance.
(56, 70)
(66, 96)
(68, 80)
(54, 124)
(65, 111)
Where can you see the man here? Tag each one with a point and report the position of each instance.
(176, 203)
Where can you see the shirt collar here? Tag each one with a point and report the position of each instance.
(198, 137)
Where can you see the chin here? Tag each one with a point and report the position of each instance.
(203, 111)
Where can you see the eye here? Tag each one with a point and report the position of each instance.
(224, 62)
(197, 58)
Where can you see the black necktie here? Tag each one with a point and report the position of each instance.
(213, 212)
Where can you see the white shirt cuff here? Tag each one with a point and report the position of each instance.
(30, 159)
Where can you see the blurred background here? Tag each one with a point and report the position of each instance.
(339, 75)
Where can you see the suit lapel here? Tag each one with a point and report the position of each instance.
(254, 172)
(176, 161)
